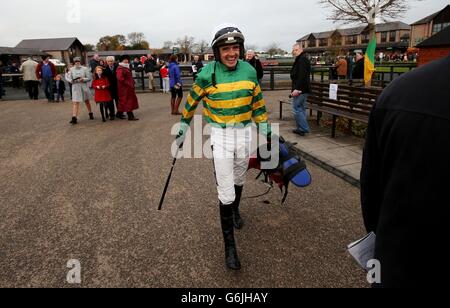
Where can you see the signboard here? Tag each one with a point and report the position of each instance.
(334, 91)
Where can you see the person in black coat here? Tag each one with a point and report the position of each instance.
(358, 68)
(110, 73)
(14, 69)
(95, 61)
(150, 67)
(405, 177)
(197, 66)
(251, 58)
(301, 88)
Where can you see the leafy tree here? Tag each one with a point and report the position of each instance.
(116, 42)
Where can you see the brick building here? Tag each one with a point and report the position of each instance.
(429, 26)
(435, 47)
(391, 37)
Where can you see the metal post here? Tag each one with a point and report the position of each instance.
(272, 79)
(281, 110)
(333, 129)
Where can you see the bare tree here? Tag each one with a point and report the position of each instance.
(365, 11)
(201, 47)
(186, 44)
(168, 45)
(274, 49)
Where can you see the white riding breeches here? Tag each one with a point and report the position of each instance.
(231, 153)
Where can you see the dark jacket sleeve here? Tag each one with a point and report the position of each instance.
(371, 188)
(259, 70)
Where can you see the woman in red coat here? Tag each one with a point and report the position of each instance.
(127, 96)
(102, 94)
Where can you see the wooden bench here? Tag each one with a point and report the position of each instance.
(353, 103)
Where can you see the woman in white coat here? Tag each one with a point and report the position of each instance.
(80, 77)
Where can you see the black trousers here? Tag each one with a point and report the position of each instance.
(107, 110)
(32, 88)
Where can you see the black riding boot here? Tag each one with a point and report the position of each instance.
(226, 219)
(237, 220)
(91, 116)
(131, 117)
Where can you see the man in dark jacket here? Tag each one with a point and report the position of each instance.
(110, 73)
(251, 58)
(150, 68)
(301, 87)
(358, 69)
(14, 69)
(95, 61)
(197, 66)
(405, 177)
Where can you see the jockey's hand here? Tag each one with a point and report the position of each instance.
(180, 140)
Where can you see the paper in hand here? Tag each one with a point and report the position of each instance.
(363, 250)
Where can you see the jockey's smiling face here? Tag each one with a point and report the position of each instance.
(229, 55)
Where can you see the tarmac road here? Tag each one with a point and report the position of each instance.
(91, 192)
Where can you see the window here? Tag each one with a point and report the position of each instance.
(351, 40)
(365, 38)
(337, 41)
(323, 42)
(392, 36)
(438, 27)
(383, 37)
(312, 43)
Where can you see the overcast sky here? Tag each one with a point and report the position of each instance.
(263, 22)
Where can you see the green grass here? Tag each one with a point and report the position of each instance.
(387, 69)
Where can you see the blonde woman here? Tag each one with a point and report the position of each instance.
(80, 76)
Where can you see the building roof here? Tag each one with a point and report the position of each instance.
(352, 31)
(21, 51)
(442, 38)
(392, 26)
(323, 35)
(306, 37)
(142, 52)
(389, 26)
(51, 44)
(430, 18)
